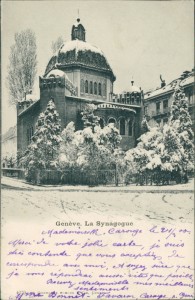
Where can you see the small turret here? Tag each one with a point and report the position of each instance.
(78, 31)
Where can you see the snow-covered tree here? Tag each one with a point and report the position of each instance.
(159, 152)
(42, 153)
(90, 150)
(88, 117)
(180, 119)
(99, 147)
(144, 126)
(147, 153)
(69, 147)
(22, 65)
(109, 137)
(172, 156)
(55, 46)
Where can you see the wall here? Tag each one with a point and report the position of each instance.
(127, 141)
(97, 77)
(57, 91)
(9, 143)
(26, 120)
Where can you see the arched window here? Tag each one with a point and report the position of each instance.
(111, 120)
(82, 86)
(130, 128)
(30, 133)
(86, 86)
(91, 87)
(104, 89)
(122, 126)
(101, 122)
(95, 88)
(99, 89)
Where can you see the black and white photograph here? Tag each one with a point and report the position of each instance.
(97, 150)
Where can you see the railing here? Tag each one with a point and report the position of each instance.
(159, 112)
(108, 177)
(13, 172)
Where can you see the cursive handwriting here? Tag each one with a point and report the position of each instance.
(101, 263)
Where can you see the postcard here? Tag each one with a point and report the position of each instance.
(97, 157)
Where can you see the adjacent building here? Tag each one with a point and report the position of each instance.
(157, 103)
(9, 146)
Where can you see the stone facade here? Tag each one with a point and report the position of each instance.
(9, 143)
(157, 103)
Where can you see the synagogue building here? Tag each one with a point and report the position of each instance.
(76, 75)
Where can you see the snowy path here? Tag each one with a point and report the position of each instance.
(61, 205)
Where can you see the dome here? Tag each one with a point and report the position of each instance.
(79, 53)
(56, 73)
(132, 89)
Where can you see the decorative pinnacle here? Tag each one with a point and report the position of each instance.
(78, 19)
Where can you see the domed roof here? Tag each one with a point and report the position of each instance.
(78, 53)
(132, 89)
(56, 73)
(79, 46)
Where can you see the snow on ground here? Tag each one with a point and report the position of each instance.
(165, 205)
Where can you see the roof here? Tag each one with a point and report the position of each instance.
(79, 53)
(57, 73)
(169, 87)
(79, 46)
(188, 80)
(132, 89)
(11, 133)
(158, 91)
(115, 106)
(32, 105)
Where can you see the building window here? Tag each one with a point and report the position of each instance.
(158, 108)
(86, 86)
(91, 87)
(111, 120)
(130, 128)
(99, 89)
(30, 133)
(165, 106)
(190, 97)
(95, 88)
(101, 122)
(104, 90)
(145, 110)
(122, 126)
(82, 86)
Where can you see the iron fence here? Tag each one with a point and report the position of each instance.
(107, 177)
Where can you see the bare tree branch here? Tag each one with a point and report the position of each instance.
(22, 67)
(57, 44)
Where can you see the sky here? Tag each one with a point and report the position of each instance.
(140, 39)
